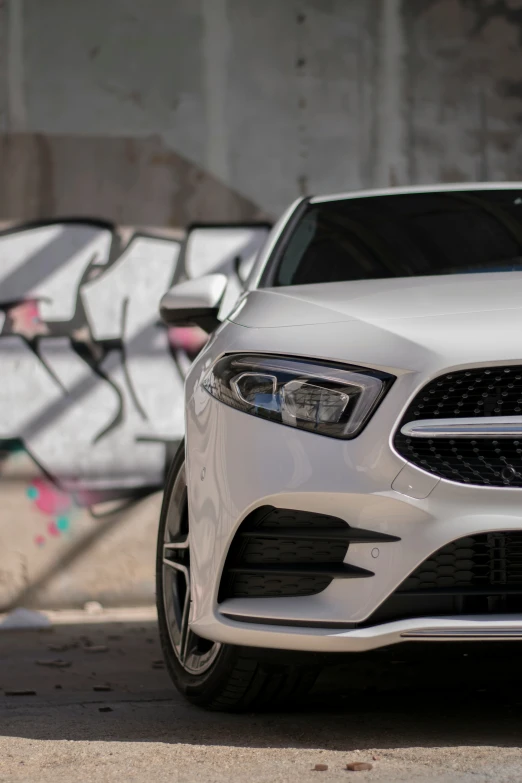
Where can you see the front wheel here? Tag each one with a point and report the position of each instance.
(211, 675)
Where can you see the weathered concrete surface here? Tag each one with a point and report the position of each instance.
(110, 560)
(124, 179)
(91, 411)
(468, 732)
(91, 402)
(172, 111)
(175, 110)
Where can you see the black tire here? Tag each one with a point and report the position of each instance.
(238, 678)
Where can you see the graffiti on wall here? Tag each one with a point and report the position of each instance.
(89, 386)
(92, 381)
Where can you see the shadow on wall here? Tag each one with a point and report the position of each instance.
(91, 400)
(129, 180)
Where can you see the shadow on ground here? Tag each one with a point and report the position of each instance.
(107, 683)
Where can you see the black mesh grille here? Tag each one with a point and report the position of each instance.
(261, 551)
(266, 586)
(282, 552)
(479, 574)
(485, 391)
(489, 560)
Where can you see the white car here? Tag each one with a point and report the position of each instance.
(351, 476)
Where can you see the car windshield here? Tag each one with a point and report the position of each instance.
(438, 233)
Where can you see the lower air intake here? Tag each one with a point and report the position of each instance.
(479, 574)
(282, 552)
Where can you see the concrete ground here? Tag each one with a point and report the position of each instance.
(88, 699)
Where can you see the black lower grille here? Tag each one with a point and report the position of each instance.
(478, 574)
(479, 392)
(282, 552)
(485, 561)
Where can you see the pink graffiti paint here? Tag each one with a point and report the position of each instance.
(85, 498)
(52, 529)
(187, 338)
(25, 319)
(48, 499)
(51, 502)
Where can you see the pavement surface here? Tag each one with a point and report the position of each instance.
(88, 699)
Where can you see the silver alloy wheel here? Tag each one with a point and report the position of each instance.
(195, 654)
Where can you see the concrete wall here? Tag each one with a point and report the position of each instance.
(158, 114)
(91, 400)
(167, 111)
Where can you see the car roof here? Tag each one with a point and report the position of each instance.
(400, 191)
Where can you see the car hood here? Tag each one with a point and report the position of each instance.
(379, 301)
(415, 324)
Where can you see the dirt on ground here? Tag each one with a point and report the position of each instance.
(88, 699)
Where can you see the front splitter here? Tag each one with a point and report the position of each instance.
(476, 627)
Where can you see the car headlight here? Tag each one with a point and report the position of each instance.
(332, 400)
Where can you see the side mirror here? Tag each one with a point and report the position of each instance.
(194, 302)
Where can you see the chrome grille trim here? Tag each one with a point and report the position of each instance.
(459, 427)
(485, 427)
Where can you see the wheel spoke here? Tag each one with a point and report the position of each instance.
(175, 545)
(184, 629)
(194, 654)
(173, 564)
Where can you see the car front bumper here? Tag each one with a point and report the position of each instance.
(237, 463)
(435, 629)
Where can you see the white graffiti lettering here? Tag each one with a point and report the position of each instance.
(92, 381)
(90, 386)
